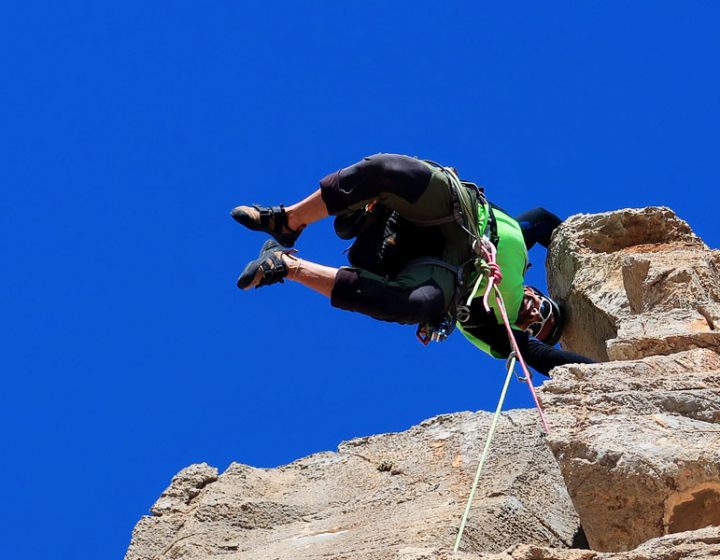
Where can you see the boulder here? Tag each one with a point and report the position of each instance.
(374, 496)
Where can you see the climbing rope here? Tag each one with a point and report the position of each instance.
(491, 270)
(488, 441)
(516, 350)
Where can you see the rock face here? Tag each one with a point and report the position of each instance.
(371, 498)
(635, 283)
(703, 544)
(640, 458)
(637, 439)
(633, 455)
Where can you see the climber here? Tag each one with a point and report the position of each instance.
(421, 220)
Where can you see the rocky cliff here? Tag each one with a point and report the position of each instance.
(630, 471)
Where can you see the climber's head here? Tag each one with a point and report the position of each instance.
(540, 316)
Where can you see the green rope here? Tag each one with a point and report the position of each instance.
(483, 270)
(488, 441)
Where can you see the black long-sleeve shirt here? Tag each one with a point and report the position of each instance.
(537, 354)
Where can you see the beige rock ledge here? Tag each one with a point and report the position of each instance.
(638, 440)
(702, 544)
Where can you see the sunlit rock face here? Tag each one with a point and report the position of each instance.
(373, 497)
(629, 471)
(635, 283)
(637, 438)
(702, 544)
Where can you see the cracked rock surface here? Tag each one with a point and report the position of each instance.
(635, 283)
(633, 456)
(373, 497)
(703, 544)
(638, 439)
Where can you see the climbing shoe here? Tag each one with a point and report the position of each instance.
(270, 219)
(268, 268)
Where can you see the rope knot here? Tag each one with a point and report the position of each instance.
(495, 273)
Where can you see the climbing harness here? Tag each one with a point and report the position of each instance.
(466, 198)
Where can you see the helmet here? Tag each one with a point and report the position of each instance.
(548, 309)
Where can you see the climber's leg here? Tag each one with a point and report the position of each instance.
(418, 294)
(407, 185)
(414, 189)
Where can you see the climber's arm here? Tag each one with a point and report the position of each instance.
(537, 355)
(543, 358)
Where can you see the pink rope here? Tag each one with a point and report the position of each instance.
(494, 278)
(528, 377)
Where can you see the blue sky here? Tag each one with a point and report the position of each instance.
(131, 129)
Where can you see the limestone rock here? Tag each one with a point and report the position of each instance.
(371, 498)
(635, 283)
(638, 440)
(154, 535)
(702, 544)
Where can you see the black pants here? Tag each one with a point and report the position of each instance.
(420, 194)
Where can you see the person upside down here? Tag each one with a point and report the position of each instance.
(417, 228)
